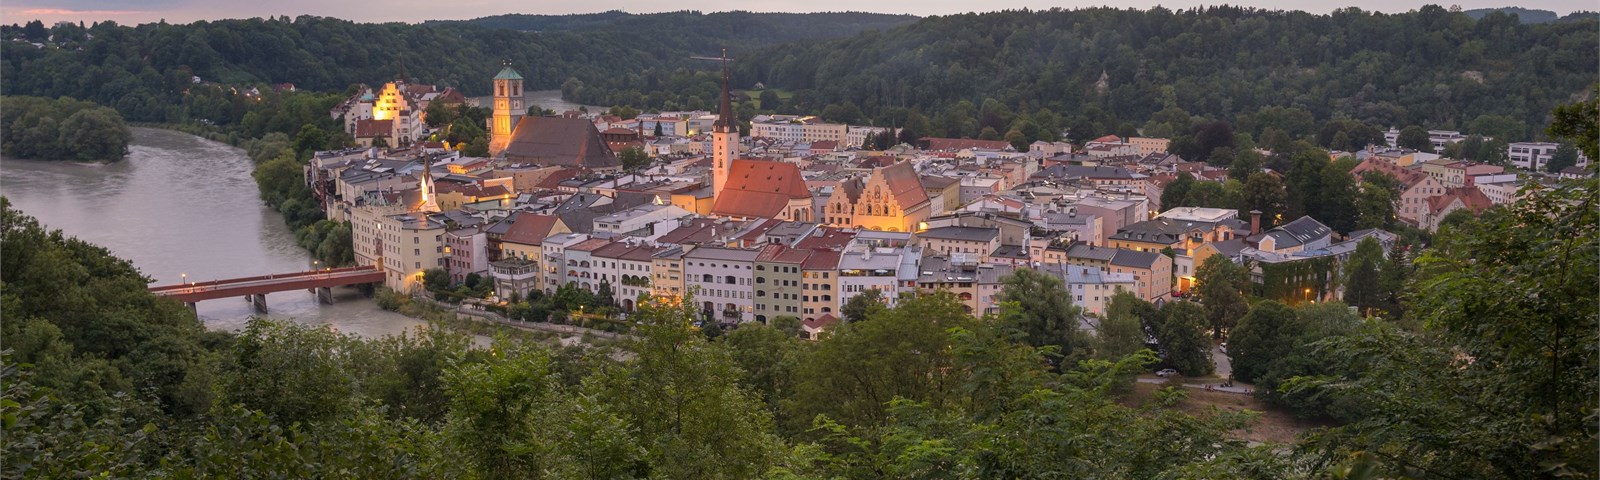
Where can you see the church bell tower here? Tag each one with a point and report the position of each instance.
(724, 136)
(508, 109)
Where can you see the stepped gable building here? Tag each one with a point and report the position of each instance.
(891, 199)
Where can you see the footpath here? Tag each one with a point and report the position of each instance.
(1210, 387)
(485, 315)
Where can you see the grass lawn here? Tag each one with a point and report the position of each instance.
(755, 95)
(1271, 424)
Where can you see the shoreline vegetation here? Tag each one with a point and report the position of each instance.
(62, 129)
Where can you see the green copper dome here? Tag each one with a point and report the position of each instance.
(508, 74)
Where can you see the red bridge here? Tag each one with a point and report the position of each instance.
(255, 289)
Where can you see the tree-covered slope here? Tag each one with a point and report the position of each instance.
(1430, 67)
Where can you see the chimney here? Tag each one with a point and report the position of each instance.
(1255, 222)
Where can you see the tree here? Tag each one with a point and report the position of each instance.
(1037, 308)
(1303, 183)
(1579, 123)
(770, 100)
(1174, 195)
(1246, 163)
(903, 352)
(633, 158)
(1120, 331)
(862, 306)
(439, 114)
(1363, 288)
(1392, 277)
(680, 401)
(1375, 206)
(766, 356)
(1415, 138)
(1565, 156)
(1264, 192)
(658, 129)
(1263, 336)
(1184, 344)
(1335, 204)
(1493, 363)
(1219, 285)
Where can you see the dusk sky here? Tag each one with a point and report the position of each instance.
(184, 11)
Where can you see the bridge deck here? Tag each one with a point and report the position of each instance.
(239, 287)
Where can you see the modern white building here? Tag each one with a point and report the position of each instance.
(647, 222)
(793, 128)
(1534, 155)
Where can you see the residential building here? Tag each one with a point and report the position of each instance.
(721, 279)
(778, 280)
(666, 267)
(1452, 199)
(976, 286)
(1091, 288)
(978, 242)
(819, 284)
(412, 243)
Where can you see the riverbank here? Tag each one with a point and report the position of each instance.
(481, 322)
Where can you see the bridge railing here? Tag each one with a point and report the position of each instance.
(209, 285)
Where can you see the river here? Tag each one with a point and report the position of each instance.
(546, 99)
(182, 205)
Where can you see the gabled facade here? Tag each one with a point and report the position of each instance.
(892, 198)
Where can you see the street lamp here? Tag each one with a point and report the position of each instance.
(1308, 294)
(185, 278)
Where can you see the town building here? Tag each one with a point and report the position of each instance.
(722, 281)
(892, 198)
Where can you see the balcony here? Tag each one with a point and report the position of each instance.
(516, 270)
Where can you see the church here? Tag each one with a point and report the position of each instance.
(744, 189)
(563, 141)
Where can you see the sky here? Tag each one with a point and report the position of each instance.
(412, 11)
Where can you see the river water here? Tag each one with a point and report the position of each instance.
(182, 205)
(546, 99)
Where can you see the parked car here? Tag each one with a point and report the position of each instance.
(1166, 372)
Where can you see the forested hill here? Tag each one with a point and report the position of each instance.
(1429, 67)
(702, 32)
(1526, 15)
(144, 70)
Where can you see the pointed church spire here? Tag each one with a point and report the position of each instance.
(725, 121)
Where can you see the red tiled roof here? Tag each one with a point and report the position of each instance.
(904, 185)
(824, 321)
(374, 128)
(1406, 177)
(1107, 139)
(555, 178)
(590, 245)
(1471, 197)
(821, 260)
(759, 188)
(559, 141)
(529, 228)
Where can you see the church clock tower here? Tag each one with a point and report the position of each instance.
(724, 136)
(508, 109)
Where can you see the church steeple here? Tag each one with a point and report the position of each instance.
(725, 119)
(724, 136)
(425, 185)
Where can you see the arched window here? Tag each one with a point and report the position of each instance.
(707, 278)
(731, 280)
